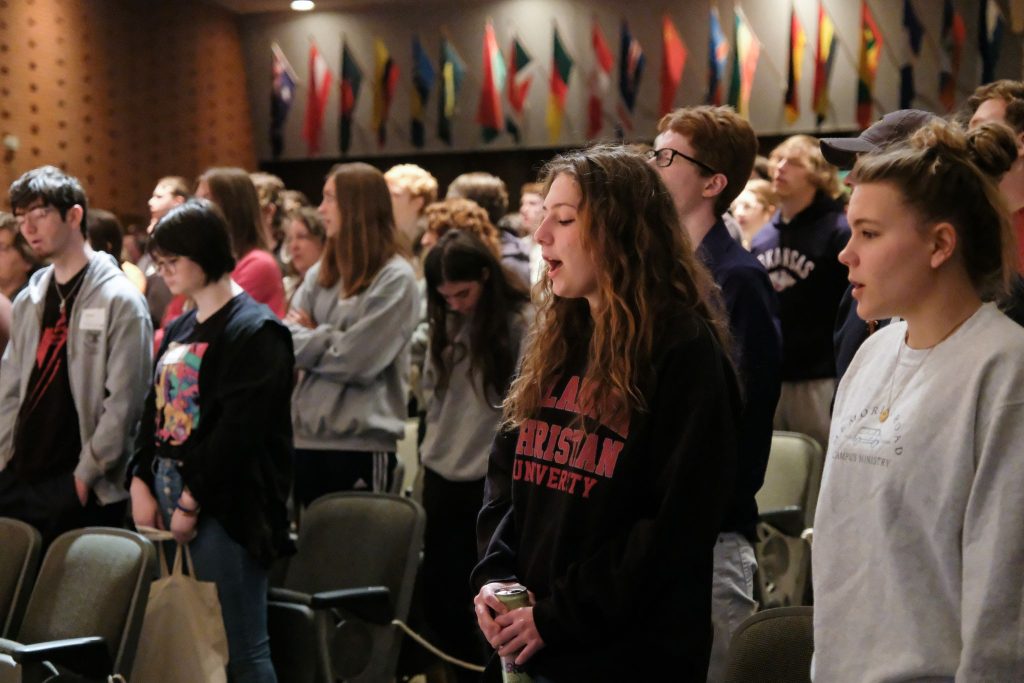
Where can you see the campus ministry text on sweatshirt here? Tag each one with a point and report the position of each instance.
(919, 536)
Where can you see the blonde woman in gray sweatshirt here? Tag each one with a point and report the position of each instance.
(919, 536)
(351, 321)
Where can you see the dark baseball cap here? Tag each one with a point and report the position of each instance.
(891, 128)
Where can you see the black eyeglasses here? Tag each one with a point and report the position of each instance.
(666, 155)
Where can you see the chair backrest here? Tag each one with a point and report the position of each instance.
(354, 539)
(793, 475)
(19, 561)
(773, 646)
(93, 582)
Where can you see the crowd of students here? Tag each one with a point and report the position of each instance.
(597, 378)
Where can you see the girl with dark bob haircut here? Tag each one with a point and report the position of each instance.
(213, 457)
(196, 229)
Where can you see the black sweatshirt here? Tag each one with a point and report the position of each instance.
(802, 260)
(613, 526)
(235, 442)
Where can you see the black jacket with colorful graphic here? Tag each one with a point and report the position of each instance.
(229, 423)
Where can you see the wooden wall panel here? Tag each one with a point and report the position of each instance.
(121, 92)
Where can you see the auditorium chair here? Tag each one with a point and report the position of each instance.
(83, 618)
(773, 646)
(330, 619)
(19, 560)
(790, 491)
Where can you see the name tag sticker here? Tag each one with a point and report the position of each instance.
(93, 319)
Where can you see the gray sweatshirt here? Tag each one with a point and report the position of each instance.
(353, 390)
(462, 420)
(919, 533)
(110, 358)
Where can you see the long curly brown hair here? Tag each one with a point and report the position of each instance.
(647, 274)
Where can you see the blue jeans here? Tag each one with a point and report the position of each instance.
(241, 584)
(732, 596)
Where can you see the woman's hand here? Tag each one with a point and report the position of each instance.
(518, 634)
(300, 317)
(183, 526)
(487, 606)
(145, 511)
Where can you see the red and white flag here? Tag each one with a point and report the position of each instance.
(600, 80)
(320, 79)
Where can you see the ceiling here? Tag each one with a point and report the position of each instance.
(261, 6)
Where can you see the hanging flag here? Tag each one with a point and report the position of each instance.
(870, 50)
(489, 113)
(351, 79)
(631, 70)
(316, 101)
(745, 53)
(453, 71)
(954, 35)
(797, 41)
(600, 80)
(384, 83)
(282, 92)
(718, 54)
(991, 27)
(913, 33)
(517, 86)
(673, 61)
(422, 84)
(561, 69)
(824, 57)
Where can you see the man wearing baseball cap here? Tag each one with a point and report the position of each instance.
(891, 128)
(851, 331)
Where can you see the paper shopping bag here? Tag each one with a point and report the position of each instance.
(183, 638)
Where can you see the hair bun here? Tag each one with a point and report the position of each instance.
(993, 148)
(941, 137)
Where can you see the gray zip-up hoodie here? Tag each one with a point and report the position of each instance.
(353, 393)
(110, 358)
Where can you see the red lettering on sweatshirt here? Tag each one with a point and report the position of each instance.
(586, 458)
(523, 445)
(610, 450)
(568, 401)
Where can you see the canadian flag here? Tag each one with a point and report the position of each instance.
(320, 78)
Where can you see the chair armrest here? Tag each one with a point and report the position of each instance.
(789, 520)
(369, 603)
(289, 596)
(85, 656)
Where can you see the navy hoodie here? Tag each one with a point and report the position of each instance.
(753, 310)
(802, 260)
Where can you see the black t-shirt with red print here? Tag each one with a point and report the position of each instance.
(47, 441)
